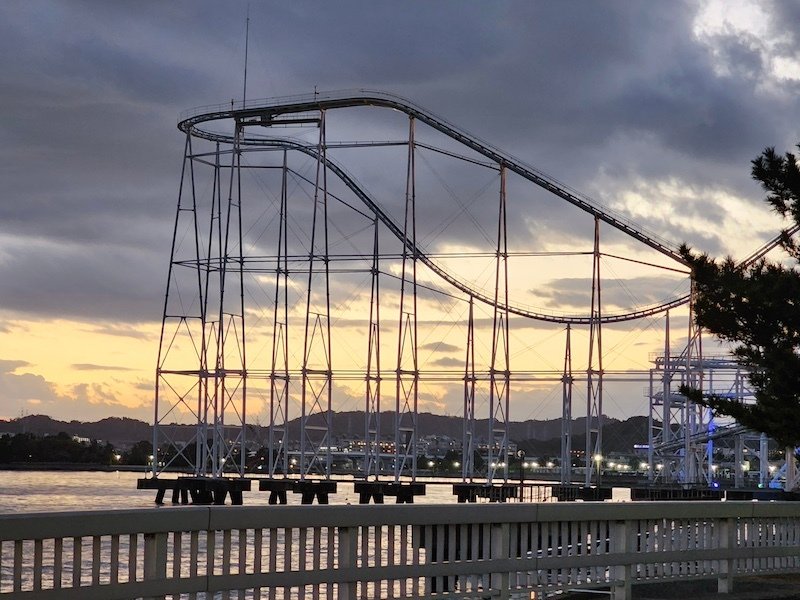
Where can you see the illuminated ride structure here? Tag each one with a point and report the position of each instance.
(296, 287)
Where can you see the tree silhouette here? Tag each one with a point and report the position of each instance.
(757, 308)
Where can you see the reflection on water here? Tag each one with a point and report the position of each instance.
(52, 491)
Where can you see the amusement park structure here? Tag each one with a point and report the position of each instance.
(296, 287)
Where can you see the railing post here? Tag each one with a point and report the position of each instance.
(348, 558)
(155, 557)
(727, 540)
(499, 582)
(621, 553)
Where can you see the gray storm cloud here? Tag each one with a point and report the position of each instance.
(91, 158)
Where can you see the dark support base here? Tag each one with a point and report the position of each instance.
(675, 493)
(763, 494)
(201, 490)
(309, 490)
(569, 493)
(470, 492)
(179, 496)
(376, 491)
(277, 489)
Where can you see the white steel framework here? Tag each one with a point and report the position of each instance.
(203, 373)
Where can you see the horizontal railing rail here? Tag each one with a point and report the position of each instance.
(382, 551)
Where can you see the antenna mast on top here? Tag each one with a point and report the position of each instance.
(246, 41)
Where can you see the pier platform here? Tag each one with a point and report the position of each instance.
(309, 490)
(568, 493)
(197, 490)
(470, 492)
(668, 494)
(763, 494)
(376, 491)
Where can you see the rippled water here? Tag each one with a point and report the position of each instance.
(56, 491)
(53, 491)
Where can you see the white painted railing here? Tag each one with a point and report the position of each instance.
(379, 551)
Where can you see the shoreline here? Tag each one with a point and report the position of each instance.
(88, 467)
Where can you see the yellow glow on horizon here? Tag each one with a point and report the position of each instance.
(82, 364)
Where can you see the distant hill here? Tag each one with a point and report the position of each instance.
(351, 424)
(536, 437)
(618, 436)
(121, 432)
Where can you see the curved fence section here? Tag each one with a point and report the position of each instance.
(351, 552)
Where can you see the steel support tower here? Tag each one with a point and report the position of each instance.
(215, 305)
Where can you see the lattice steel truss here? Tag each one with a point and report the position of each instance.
(202, 354)
(203, 375)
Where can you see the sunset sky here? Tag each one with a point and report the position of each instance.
(653, 109)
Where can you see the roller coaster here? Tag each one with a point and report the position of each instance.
(284, 263)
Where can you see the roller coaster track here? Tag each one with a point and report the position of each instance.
(723, 431)
(457, 283)
(267, 112)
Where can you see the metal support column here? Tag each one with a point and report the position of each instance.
(279, 380)
(205, 456)
(566, 412)
(594, 372)
(499, 371)
(230, 373)
(666, 426)
(763, 460)
(652, 435)
(372, 409)
(792, 473)
(179, 386)
(468, 440)
(315, 424)
(738, 467)
(696, 468)
(407, 372)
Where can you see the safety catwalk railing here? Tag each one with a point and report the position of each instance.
(390, 551)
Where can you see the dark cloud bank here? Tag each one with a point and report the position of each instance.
(91, 91)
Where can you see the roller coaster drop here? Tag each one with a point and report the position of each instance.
(218, 265)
